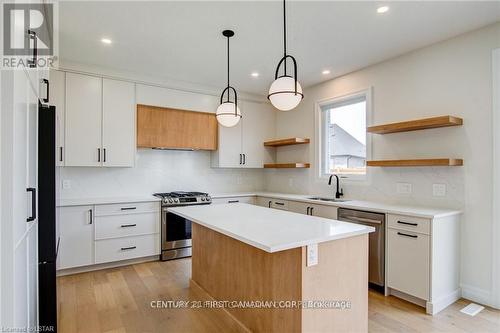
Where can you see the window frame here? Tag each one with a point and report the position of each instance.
(320, 133)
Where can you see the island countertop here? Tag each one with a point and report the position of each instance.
(270, 230)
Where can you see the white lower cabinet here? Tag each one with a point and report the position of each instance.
(76, 230)
(325, 211)
(248, 200)
(124, 248)
(99, 234)
(408, 262)
(272, 203)
(423, 260)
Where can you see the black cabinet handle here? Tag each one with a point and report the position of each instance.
(407, 235)
(307, 210)
(98, 154)
(244, 158)
(33, 204)
(233, 201)
(32, 61)
(128, 208)
(312, 208)
(241, 158)
(104, 154)
(408, 223)
(269, 204)
(60, 154)
(91, 216)
(46, 99)
(128, 248)
(279, 203)
(128, 225)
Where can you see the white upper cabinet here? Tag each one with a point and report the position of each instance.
(258, 126)
(83, 133)
(242, 146)
(99, 118)
(118, 120)
(57, 98)
(176, 99)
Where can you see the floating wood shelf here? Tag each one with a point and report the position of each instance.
(286, 142)
(417, 163)
(415, 125)
(286, 165)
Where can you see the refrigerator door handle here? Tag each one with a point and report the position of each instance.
(33, 204)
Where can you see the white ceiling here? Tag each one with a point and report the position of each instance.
(182, 40)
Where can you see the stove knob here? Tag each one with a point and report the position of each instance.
(170, 200)
(176, 200)
(208, 198)
(202, 198)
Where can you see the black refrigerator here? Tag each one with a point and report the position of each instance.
(47, 242)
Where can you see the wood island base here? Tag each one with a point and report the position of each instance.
(230, 270)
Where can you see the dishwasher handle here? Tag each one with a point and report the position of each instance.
(360, 219)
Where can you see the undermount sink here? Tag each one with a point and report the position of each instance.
(327, 199)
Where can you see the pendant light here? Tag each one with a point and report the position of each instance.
(228, 113)
(285, 92)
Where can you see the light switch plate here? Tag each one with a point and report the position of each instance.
(312, 254)
(66, 184)
(439, 190)
(404, 188)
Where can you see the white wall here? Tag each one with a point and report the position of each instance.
(159, 171)
(453, 77)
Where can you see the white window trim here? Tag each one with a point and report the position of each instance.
(495, 262)
(318, 128)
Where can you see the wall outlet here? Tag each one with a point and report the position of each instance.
(66, 184)
(404, 188)
(439, 190)
(312, 254)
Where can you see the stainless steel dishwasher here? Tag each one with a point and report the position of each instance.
(376, 249)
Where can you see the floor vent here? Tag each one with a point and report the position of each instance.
(472, 309)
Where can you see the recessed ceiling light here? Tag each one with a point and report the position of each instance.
(255, 74)
(106, 40)
(325, 72)
(382, 9)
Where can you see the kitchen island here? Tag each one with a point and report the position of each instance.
(280, 271)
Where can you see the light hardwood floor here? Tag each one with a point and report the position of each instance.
(119, 300)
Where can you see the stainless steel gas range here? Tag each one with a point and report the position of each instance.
(176, 230)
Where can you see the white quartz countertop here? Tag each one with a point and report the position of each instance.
(425, 212)
(104, 200)
(270, 230)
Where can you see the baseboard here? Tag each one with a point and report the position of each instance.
(477, 295)
(406, 297)
(90, 268)
(442, 303)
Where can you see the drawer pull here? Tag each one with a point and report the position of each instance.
(128, 225)
(233, 201)
(128, 208)
(128, 248)
(408, 223)
(407, 235)
(279, 203)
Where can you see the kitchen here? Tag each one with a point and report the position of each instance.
(366, 175)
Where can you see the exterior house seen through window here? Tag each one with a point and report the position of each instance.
(344, 137)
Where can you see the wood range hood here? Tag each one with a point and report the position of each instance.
(174, 129)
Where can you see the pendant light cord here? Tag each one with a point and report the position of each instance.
(284, 32)
(228, 67)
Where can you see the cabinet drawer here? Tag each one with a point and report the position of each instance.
(248, 200)
(126, 248)
(415, 224)
(127, 208)
(127, 225)
(408, 262)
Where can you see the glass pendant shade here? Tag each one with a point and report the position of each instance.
(226, 114)
(282, 93)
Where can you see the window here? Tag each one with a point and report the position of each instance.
(343, 136)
